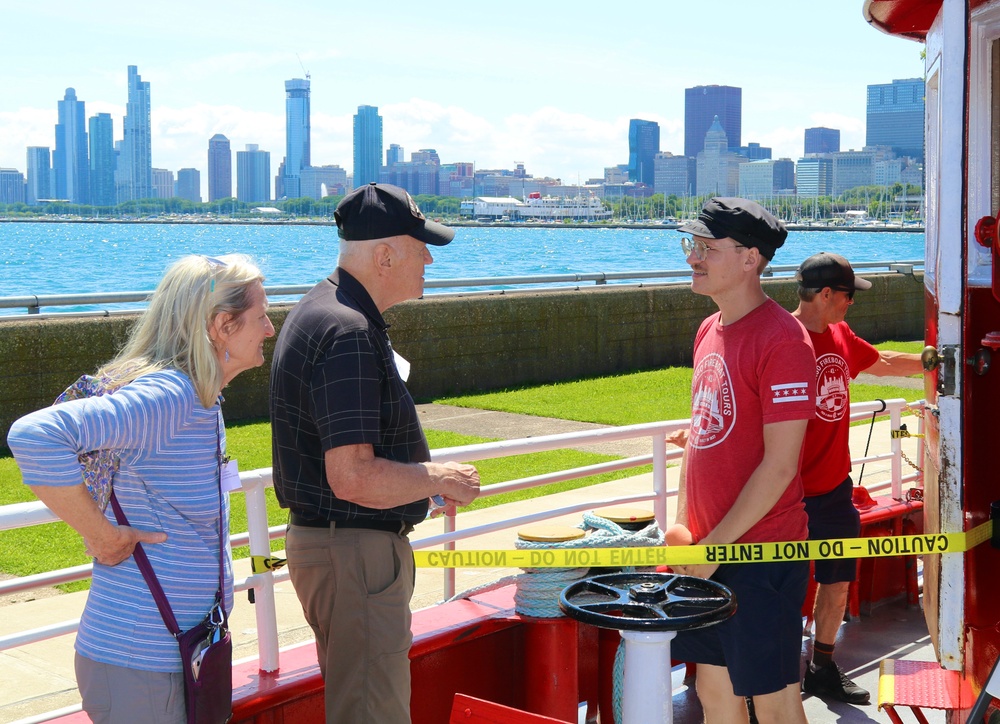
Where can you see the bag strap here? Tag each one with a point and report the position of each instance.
(142, 561)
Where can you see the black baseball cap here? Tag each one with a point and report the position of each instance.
(378, 211)
(829, 270)
(746, 221)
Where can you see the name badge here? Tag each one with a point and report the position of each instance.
(230, 476)
(402, 365)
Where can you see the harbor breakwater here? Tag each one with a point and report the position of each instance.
(463, 343)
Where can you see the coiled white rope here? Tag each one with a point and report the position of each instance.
(538, 589)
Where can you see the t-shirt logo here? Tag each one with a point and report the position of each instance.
(713, 406)
(832, 380)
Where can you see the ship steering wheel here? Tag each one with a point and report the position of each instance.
(647, 602)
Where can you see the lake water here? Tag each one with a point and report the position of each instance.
(67, 258)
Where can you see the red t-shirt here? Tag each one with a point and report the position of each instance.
(826, 455)
(754, 372)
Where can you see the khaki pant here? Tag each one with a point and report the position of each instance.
(355, 587)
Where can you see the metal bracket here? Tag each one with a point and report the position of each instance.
(947, 370)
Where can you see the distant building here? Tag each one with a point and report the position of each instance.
(135, 166)
(394, 154)
(39, 174)
(814, 176)
(717, 169)
(253, 174)
(895, 117)
(754, 152)
(821, 140)
(766, 178)
(674, 175)
(852, 169)
(456, 179)
(163, 183)
(643, 145)
(702, 104)
(103, 161)
(314, 178)
(188, 185)
(367, 145)
(220, 168)
(297, 135)
(12, 186)
(615, 175)
(70, 165)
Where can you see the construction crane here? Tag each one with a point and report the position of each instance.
(303, 66)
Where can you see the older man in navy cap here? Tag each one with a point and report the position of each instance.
(351, 460)
(826, 291)
(751, 400)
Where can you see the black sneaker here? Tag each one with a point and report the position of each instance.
(830, 681)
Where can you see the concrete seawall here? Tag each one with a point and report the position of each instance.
(463, 343)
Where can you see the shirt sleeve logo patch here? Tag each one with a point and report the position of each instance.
(790, 392)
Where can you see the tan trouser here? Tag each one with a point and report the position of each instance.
(117, 695)
(355, 587)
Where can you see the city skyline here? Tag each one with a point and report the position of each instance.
(524, 89)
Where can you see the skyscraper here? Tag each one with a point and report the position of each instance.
(297, 135)
(895, 117)
(102, 160)
(367, 145)
(189, 185)
(220, 168)
(394, 154)
(69, 161)
(643, 145)
(822, 140)
(39, 174)
(701, 105)
(135, 167)
(253, 174)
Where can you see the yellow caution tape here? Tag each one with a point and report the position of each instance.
(875, 547)
(261, 564)
(903, 432)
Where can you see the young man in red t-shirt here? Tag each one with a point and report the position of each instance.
(751, 399)
(826, 291)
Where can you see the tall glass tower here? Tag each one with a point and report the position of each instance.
(297, 135)
(367, 145)
(895, 117)
(70, 167)
(643, 145)
(39, 174)
(135, 170)
(253, 174)
(102, 160)
(701, 105)
(220, 168)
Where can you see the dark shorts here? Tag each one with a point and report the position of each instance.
(833, 515)
(761, 644)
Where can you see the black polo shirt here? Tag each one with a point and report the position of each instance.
(334, 382)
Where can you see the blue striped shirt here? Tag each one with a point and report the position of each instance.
(168, 480)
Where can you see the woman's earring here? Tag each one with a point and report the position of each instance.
(227, 354)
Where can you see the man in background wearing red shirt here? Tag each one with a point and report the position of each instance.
(826, 291)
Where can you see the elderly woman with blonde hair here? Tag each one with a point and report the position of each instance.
(206, 323)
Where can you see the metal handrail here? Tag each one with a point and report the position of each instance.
(34, 303)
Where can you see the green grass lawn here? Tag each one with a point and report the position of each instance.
(616, 400)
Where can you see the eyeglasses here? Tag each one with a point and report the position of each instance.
(848, 292)
(214, 265)
(700, 249)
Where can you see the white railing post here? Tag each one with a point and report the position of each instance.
(660, 479)
(263, 583)
(449, 573)
(895, 445)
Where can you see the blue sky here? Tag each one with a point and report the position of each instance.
(551, 84)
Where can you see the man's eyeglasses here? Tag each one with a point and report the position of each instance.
(700, 249)
(848, 292)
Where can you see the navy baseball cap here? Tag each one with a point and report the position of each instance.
(829, 270)
(379, 211)
(746, 221)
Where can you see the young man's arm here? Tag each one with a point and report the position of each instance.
(782, 446)
(896, 364)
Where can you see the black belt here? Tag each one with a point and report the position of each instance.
(399, 527)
